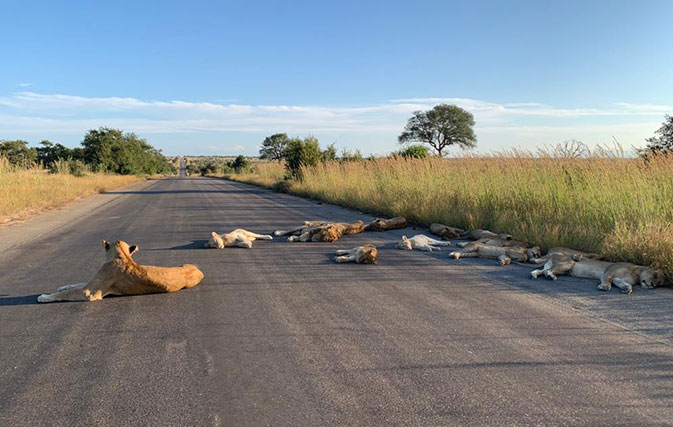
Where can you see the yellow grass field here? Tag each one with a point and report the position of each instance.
(621, 207)
(24, 192)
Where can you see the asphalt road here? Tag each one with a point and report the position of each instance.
(280, 335)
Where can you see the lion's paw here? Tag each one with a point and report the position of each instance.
(604, 287)
(45, 298)
(627, 290)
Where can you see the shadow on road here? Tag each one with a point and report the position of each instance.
(196, 244)
(24, 300)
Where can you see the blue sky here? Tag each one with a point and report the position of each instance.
(216, 77)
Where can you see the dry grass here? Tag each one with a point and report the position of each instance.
(622, 207)
(27, 191)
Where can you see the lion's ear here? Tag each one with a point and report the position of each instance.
(106, 245)
(133, 249)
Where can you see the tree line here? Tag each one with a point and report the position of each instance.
(102, 150)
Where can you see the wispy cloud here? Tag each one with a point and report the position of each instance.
(26, 112)
(25, 84)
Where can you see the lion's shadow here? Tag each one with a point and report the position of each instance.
(22, 300)
(196, 244)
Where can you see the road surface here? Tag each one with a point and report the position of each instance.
(280, 335)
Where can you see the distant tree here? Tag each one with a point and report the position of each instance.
(416, 151)
(112, 150)
(662, 142)
(301, 153)
(239, 164)
(273, 147)
(18, 153)
(329, 154)
(440, 127)
(349, 156)
(48, 153)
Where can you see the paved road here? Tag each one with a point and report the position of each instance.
(279, 335)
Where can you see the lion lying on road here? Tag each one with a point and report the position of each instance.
(623, 275)
(366, 254)
(422, 243)
(239, 238)
(380, 224)
(485, 234)
(504, 254)
(121, 275)
(319, 231)
(446, 232)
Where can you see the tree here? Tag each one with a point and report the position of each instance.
(239, 164)
(273, 147)
(443, 126)
(301, 153)
(18, 153)
(416, 151)
(49, 153)
(662, 142)
(329, 154)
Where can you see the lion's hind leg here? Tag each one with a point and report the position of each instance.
(254, 236)
(624, 286)
(346, 251)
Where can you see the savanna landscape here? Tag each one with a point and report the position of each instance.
(424, 213)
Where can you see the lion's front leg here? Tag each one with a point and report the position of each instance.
(76, 285)
(345, 258)
(72, 294)
(624, 286)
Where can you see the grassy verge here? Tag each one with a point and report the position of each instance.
(25, 192)
(621, 207)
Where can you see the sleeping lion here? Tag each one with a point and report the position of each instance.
(320, 231)
(239, 238)
(366, 254)
(121, 275)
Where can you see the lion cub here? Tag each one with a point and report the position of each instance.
(121, 275)
(422, 243)
(239, 238)
(366, 254)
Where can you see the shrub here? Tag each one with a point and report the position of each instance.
(415, 151)
(301, 153)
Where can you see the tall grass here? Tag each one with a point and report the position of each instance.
(622, 207)
(24, 191)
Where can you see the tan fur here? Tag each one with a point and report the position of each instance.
(366, 254)
(503, 254)
(422, 243)
(240, 238)
(446, 232)
(327, 232)
(380, 224)
(623, 275)
(485, 234)
(301, 229)
(121, 275)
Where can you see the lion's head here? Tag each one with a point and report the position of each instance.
(652, 277)
(404, 244)
(215, 241)
(368, 255)
(119, 249)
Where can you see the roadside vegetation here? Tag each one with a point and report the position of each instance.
(50, 175)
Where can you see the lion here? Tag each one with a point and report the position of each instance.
(446, 232)
(328, 232)
(564, 251)
(485, 234)
(422, 243)
(121, 275)
(380, 224)
(239, 238)
(366, 254)
(504, 254)
(623, 275)
(301, 229)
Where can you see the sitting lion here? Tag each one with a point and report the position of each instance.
(422, 243)
(366, 254)
(380, 224)
(239, 237)
(446, 232)
(504, 254)
(623, 275)
(324, 232)
(121, 275)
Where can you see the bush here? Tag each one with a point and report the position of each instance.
(301, 153)
(415, 151)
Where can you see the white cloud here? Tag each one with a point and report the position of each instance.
(508, 124)
(25, 84)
